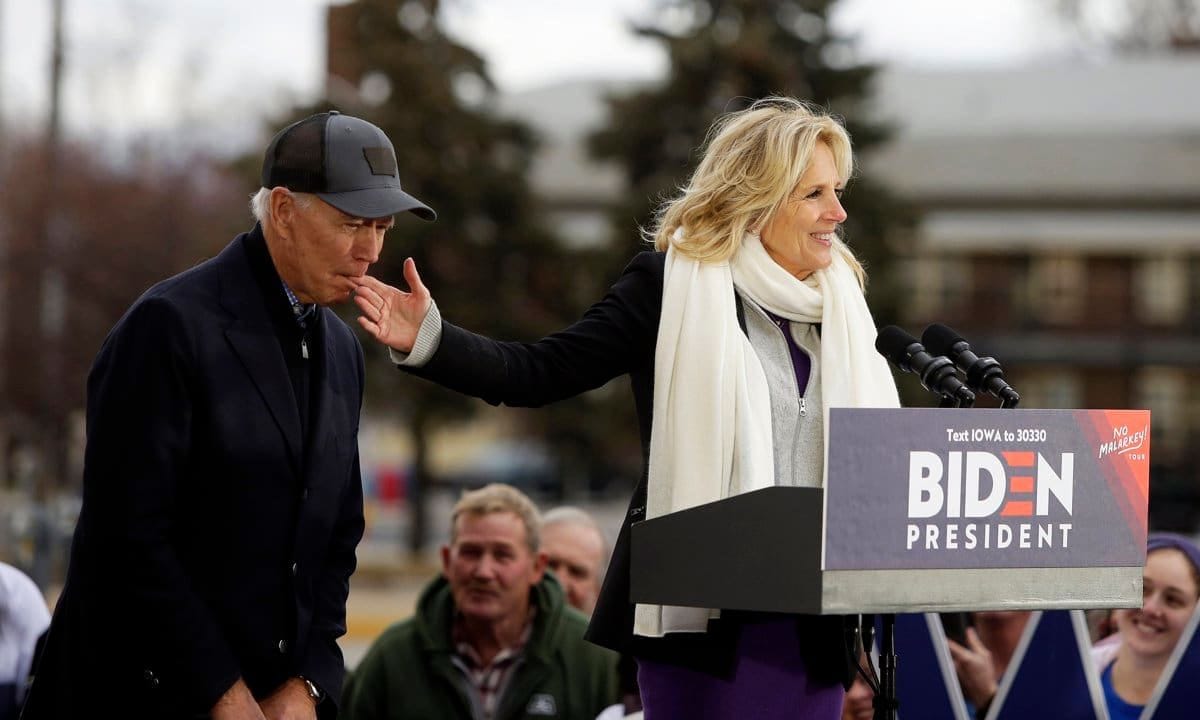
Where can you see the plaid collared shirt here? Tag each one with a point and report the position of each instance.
(302, 312)
(486, 683)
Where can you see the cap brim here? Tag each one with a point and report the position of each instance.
(377, 203)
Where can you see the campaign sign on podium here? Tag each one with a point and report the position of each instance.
(924, 510)
(977, 509)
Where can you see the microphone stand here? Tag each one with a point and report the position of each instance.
(885, 702)
(964, 398)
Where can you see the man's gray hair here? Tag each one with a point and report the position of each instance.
(571, 515)
(260, 202)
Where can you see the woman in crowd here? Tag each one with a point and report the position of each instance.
(1130, 666)
(860, 698)
(738, 333)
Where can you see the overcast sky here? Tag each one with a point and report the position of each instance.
(216, 68)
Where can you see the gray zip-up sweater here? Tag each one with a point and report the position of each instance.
(797, 426)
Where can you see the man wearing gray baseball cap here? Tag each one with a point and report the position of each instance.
(347, 162)
(222, 500)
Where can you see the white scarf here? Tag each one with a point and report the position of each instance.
(712, 408)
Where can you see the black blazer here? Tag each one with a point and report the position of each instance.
(615, 336)
(214, 542)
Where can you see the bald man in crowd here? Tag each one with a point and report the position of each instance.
(577, 553)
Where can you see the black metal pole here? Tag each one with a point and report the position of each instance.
(885, 700)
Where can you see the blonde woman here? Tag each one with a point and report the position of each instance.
(744, 326)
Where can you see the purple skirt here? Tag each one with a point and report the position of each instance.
(769, 683)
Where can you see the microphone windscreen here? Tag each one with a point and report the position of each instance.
(893, 343)
(939, 339)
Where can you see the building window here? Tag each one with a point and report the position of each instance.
(938, 285)
(1051, 389)
(1160, 289)
(1056, 287)
(1164, 391)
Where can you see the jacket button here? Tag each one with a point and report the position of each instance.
(294, 566)
(149, 677)
(282, 646)
(304, 494)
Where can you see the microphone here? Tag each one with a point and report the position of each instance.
(936, 372)
(983, 373)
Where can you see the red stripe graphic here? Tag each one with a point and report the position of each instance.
(1020, 484)
(1017, 508)
(1018, 459)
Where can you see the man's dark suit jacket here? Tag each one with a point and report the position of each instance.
(616, 336)
(215, 541)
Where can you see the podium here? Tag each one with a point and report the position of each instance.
(762, 551)
(924, 510)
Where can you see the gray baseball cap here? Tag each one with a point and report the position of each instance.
(347, 162)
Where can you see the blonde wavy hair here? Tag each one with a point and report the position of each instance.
(753, 161)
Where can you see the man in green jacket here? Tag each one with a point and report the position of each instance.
(492, 638)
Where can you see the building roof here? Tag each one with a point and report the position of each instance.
(1033, 230)
(1043, 168)
(1126, 132)
(1152, 96)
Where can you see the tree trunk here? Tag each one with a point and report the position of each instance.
(419, 482)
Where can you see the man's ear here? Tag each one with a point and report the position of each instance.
(282, 207)
(540, 561)
(446, 561)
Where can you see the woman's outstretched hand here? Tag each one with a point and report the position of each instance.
(389, 314)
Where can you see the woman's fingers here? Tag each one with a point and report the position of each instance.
(413, 278)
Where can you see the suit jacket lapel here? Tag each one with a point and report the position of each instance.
(253, 340)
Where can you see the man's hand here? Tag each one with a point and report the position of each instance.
(237, 704)
(290, 702)
(976, 671)
(390, 315)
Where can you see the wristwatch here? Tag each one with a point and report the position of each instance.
(314, 692)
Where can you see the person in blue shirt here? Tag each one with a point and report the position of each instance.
(1130, 670)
